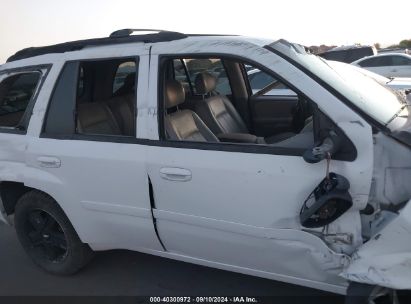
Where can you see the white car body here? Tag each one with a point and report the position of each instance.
(228, 209)
(388, 65)
(399, 83)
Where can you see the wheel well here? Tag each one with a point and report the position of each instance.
(10, 192)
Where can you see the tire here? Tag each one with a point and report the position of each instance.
(358, 293)
(47, 235)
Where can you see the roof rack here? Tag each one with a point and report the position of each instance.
(117, 37)
(128, 32)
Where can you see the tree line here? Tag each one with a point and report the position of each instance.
(406, 43)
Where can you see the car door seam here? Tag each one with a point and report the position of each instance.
(152, 207)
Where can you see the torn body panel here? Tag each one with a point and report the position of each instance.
(392, 171)
(385, 259)
(390, 189)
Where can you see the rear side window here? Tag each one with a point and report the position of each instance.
(213, 66)
(16, 92)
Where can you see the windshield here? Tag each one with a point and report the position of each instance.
(373, 98)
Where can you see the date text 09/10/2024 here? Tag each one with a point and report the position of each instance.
(203, 300)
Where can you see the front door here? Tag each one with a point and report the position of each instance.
(238, 204)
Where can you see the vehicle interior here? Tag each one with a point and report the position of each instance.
(16, 92)
(106, 94)
(211, 100)
(224, 100)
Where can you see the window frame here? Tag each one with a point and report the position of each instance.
(64, 117)
(44, 70)
(223, 146)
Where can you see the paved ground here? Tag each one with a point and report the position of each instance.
(124, 273)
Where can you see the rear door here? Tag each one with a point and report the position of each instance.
(83, 157)
(19, 90)
(273, 105)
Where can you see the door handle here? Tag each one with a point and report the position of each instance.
(49, 162)
(175, 174)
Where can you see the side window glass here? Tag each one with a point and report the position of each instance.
(16, 92)
(260, 80)
(376, 62)
(399, 60)
(213, 66)
(369, 62)
(385, 61)
(125, 78)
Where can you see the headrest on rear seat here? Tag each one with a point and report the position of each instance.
(174, 93)
(205, 83)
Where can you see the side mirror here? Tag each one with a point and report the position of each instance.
(330, 145)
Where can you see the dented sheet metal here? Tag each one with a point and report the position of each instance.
(385, 260)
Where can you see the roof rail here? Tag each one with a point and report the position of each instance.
(128, 32)
(117, 37)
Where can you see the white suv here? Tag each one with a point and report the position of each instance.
(126, 142)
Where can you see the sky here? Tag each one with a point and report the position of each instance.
(26, 23)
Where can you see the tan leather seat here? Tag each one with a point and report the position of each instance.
(122, 108)
(219, 114)
(185, 124)
(96, 118)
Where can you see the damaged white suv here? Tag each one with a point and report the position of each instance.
(159, 143)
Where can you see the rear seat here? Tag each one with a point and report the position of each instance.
(96, 118)
(122, 108)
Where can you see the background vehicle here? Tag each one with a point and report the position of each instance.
(349, 53)
(259, 80)
(395, 83)
(388, 65)
(163, 159)
(394, 50)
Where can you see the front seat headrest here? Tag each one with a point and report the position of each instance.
(174, 93)
(128, 86)
(205, 83)
(130, 81)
